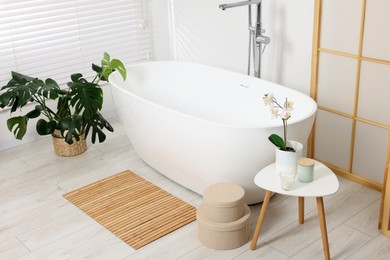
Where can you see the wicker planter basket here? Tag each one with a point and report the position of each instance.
(62, 148)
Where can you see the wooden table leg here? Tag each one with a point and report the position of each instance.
(260, 220)
(301, 209)
(324, 232)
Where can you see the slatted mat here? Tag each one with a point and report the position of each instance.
(135, 210)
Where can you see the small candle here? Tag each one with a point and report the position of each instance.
(305, 169)
(287, 180)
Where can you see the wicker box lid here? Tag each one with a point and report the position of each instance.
(224, 195)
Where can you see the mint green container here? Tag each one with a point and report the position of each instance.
(305, 169)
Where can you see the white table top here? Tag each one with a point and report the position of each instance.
(325, 182)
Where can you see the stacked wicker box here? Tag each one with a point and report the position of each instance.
(223, 217)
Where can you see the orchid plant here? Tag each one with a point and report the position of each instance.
(283, 112)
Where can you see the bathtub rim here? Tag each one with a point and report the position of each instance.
(277, 123)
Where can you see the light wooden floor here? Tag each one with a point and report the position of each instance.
(36, 222)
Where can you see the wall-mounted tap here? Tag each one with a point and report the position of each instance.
(256, 37)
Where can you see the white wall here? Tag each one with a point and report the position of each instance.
(203, 33)
(160, 22)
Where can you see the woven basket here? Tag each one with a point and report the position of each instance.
(62, 148)
(223, 202)
(223, 236)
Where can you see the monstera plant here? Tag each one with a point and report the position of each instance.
(75, 114)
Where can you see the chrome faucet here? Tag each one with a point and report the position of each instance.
(256, 38)
(243, 3)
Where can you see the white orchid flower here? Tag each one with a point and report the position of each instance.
(269, 99)
(275, 113)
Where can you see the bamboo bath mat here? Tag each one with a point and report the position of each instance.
(135, 210)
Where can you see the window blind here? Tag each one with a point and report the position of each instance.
(50, 38)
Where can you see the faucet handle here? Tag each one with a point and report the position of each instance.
(263, 39)
(252, 28)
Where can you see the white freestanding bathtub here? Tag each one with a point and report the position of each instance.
(200, 125)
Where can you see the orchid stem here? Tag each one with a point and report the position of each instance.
(285, 134)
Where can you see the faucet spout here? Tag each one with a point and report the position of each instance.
(256, 38)
(242, 3)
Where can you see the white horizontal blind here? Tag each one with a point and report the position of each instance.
(51, 38)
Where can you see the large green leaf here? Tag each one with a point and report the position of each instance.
(21, 78)
(108, 66)
(106, 59)
(70, 127)
(98, 71)
(86, 97)
(45, 128)
(63, 108)
(118, 65)
(5, 99)
(49, 89)
(18, 126)
(76, 77)
(34, 113)
(19, 91)
(97, 124)
(97, 68)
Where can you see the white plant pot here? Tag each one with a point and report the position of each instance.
(286, 161)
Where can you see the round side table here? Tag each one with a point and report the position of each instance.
(325, 183)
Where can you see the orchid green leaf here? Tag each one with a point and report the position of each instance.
(277, 141)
